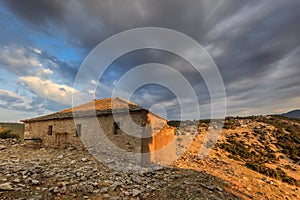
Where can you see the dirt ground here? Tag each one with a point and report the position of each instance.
(29, 173)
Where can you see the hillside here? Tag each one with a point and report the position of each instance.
(292, 114)
(254, 158)
(256, 155)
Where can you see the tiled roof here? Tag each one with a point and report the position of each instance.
(95, 107)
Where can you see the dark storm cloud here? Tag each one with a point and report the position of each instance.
(66, 70)
(37, 12)
(250, 41)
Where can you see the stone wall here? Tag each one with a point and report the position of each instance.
(163, 146)
(121, 144)
(157, 123)
(63, 133)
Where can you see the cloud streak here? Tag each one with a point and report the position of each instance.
(255, 45)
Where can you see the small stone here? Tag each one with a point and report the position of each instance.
(264, 179)
(2, 147)
(198, 191)
(207, 186)
(105, 183)
(151, 187)
(35, 182)
(73, 162)
(84, 159)
(60, 156)
(60, 184)
(114, 186)
(17, 180)
(6, 186)
(63, 190)
(104, 190)
(136, 180)
(56, 190)
(21, 185)
(136, 192)
(216, 198)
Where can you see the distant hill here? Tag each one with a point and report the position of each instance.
(292, 114)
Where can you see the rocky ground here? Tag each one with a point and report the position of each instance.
(29, 173)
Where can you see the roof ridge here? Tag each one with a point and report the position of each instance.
(101, 106)
(125, 101)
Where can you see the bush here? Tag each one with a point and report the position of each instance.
(273, 173)
(236, 148)
(5, 134)
(271, 156)
(174, 123)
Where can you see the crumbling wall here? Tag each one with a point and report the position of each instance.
(163, 146)
(157, 123)
(63, 133)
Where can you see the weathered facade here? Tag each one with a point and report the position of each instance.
(125, 126)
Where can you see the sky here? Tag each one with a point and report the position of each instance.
(254, 44)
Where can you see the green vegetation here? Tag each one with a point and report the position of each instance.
(287, 135)
(174, 123)
(236, 148)
(273, 173)
(5, 134)
(230, 123)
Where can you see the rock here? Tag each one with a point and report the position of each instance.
(63, 190)
(2, 147)
(207, 186)
(113, 186)
(60, 156)
(198, 191)
(73, 162)
(84, 159)
(6, 186)
(136, 180)
(216, 198)
(219, 189)
(151, 187)
(17, 180)
(105, 183)
(56, 190)
(61, 184)
(87, 189)
(136, 192)
(35, 182)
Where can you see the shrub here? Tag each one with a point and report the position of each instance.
(271, 156)
(174, 123)
(236, 148)
(5, 134)
(273, 173)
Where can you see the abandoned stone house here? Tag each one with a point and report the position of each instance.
(125, 124)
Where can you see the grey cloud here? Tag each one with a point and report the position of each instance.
(67, 70)
(37, 12)
(251, 38)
